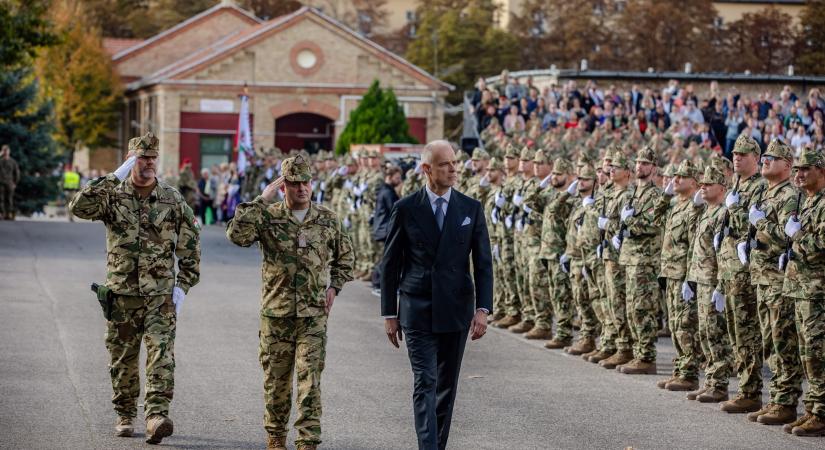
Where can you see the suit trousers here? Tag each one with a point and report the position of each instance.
(436, 361)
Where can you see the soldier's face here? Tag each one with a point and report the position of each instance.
(775, 167)
(331, 165)
(744, 163)
(619, 175)
(712, 193)
(375, 163)
(683, 185)
(644, 170)
(297, 193)
(543, 169)
(479, 165)
(495, 176)
(810, 177)
(526, 167)
(145, 168)
(604, 177)
(558, 180)
(512, 163)
(586, 185)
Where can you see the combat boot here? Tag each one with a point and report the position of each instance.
(693, 395)
(815, 426)
(618, 358)
(556, 343)
(507, 321)
(755, 415)
(157, 428)
(586, 356)
(276, 443)
(638, 367)
(124, 427)
(495, 317)
(600, 356)
(788, 427)
(583, 345)
(539, 333)
(522, 327)
(713, 395)
(778, 415)
(683, 384)
(741, 404)
(664, 381)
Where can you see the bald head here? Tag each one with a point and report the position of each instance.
(439, 147)
(439, 162)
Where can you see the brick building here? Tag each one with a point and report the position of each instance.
(305, 72)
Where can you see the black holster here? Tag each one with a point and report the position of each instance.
(106, 298)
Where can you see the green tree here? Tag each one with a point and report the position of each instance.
(810, 46)
(23, 28)
(761, 42)
(378, 119)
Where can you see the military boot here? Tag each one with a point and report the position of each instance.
(742, 404)
(507, 321)
(522, 327)
(618, 358)
(539, 333)
(556, 343)
(276, 443)
(683, 384)
(583, 345)
(693, 395)
(778, 415)
(599, 356)
(157, 428)
(495, 317)
(638, 367)
(124, 427)
(815, 426)
(713, 395)
(788, 427)
(664, 381)
(586, 356)
(755, 415)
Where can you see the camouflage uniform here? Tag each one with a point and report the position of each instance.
(589, 238)
(581, 251)
(496, 225)
(526, 189)
(188, 186)
(9, 178)
(301, 260)
(144, 236)
(507, 245)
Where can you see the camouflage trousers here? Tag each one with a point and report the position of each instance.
(781, 345)
(583, 300)
(523, 277)
(561, 297)
(293, 344)
(714, 339)
(614, 274)
(6, 199)
(642, 294)
(810, 322)
(683, 321)
(364, 259)
(540, 292)
(499, 293)
(508, 261)
(597, 290)
(745, 336)
(153, 321)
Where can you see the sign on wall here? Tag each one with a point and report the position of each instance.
(217, 106)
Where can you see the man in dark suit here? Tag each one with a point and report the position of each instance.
(385, 200)
(433, 235)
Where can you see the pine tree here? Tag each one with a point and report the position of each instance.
(378, 119)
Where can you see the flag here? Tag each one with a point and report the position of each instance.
(243, 135)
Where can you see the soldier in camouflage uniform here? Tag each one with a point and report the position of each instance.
(495, 186)
(506, 210)
(776, 311)
(307, 258)
(475, 188)
(740, 312)
(700, 288)
(9, 178)
(804, 283)
(148, 226)
(519, 215)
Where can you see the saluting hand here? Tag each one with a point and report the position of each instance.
(271, 190)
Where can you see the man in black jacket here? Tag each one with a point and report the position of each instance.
(385, 200)
(433, 235)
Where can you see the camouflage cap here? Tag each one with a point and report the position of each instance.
(721, 163)
(146, 145)
(810, 158)
(374, 154)
(527, 154)
(646, 154)
(562, 166)
(511, 152)
(362, 153)
(687, 170)
(330, 156)
(296, 169)
(462, 156)
(495, 164)
(779, 149)
(542, 157)
(587, 172)
(480, 154)
(350, 160)
(620, 160)
(583, 160)
(713, 176)
(746, 144)
(670, 170)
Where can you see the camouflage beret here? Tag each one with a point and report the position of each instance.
(687, 170)
(511, 152)
(620, 160)
(713, 176)
(480, 154)
(296, 169)
(562, 166)
(746, 144)
(810, 158)
(146, 145)
(646, 154)
(542, 157)
(587, 172)
(495, 164)
(779, 149)
(527, 154)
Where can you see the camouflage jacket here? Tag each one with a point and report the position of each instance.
(703, 267)
(778, 204)
(588, 236)
(616, 199)
(574, 224)
(554, 224)
(643, 246)
(512, 185)
(729, 265)
(805, 274)
(300, 260)
(9, 171)
(529, 216)
(143, 237)
(493, 216)
(677, 241)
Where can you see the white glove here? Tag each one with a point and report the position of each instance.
(484, 181)
(468, 164)
(616, 243)
(783, 261)
(494, 218)
(500, 200)
(731, 199)
(324, 186)
(519, 226)
(603, 223)
(357, 191)
(508, 222)
(545, 182)
(418, 169)
(687, 292)
(599, 251)
(740, 251)
(587, 201)
(697, 199)
(573, 187)
(792, 226)
(364, 186)
(517, 199)
(564, 258)
(584, 273)
(348, 185)
(755, 215)
(123, 171)
(527, 209)
(343, 170)
(627, 212)
(718, 300)
(496, 253)
(177, 298)
(347, 222)
(670, 189)
(717, 241)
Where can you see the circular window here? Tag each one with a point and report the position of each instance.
(306, 59)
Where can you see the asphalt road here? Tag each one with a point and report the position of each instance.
(55, 391)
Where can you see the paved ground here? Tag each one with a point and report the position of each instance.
(54, 387)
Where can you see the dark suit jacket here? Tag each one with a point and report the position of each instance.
(385, 199)
(431, 269)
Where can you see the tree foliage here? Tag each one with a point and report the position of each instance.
(761, 42)
(23, 29)
(378, 119)
(810, 46)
